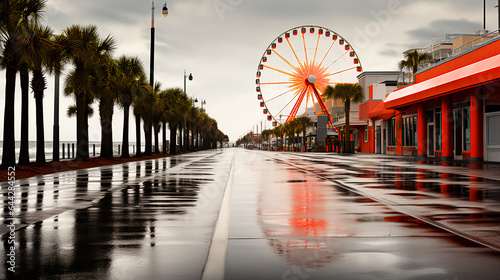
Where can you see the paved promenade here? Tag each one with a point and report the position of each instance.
(239, 214)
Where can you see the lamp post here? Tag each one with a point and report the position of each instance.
(186, 140)
(148, 123)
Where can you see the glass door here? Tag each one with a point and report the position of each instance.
(457, 128)
(430, 140)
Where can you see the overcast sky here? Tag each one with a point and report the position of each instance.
(221, 42)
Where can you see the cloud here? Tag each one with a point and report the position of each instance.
(390, 52)
(439, 28)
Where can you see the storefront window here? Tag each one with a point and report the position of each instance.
(391, 132)
(466, 129)
(438, 128)
(366, 135)
(410, 130)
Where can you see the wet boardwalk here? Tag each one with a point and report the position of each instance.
(289, 216)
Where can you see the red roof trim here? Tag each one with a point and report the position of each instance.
(475, 74)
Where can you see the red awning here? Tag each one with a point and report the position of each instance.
(472, 75)
(380, 112)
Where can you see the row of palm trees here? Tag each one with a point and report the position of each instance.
(292, 129)
(28, 47)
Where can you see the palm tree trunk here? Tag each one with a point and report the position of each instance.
(40, 137)
(138, 135)
(157, 140)
(106, 113)
(164, 134)
(192, 139)
(304, 140)
(173, 142)
(181, 140)
(55, 137)
(149, 138)
(24, 156)
(82, 150)
(126, 118)
(9, 144)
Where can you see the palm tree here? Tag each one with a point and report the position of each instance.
(176, 99)
(132, 86)
(266, 134)
(278, 133)
(85, 52)
(41, 53)
(303, 123)
(15, 18)
(157, 115)
(104, 88)
(412, 60)
(347, 93)
(57, 69)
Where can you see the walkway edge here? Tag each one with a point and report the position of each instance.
(216, 262)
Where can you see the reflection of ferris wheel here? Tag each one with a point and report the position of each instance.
(296, 68)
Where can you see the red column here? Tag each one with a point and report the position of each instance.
(422, 130)
(447, 126)
(476, 127)
(399, 134)
(371, 136)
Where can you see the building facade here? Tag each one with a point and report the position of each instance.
(451, 110)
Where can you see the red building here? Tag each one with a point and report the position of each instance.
(451, 110)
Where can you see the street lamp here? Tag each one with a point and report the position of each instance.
(149, 138)
(164, 11)
(186, 140)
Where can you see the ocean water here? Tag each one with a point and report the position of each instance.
(49, 149)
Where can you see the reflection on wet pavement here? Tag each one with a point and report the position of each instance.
(142, 220)
(290, 224)
(415, 189)
(293, 216)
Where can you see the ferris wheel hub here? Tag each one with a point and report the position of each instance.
(311, 79)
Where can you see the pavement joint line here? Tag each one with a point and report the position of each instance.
(215, 265)
(399, 209)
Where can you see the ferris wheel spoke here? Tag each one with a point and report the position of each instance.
(322, 104)
(271, 99)
(329, 49)
(309, 96)
(296, 107)
(285, 60)
(337, 60)
(277, 83)
(305, 48)
(296, 95)
(277, 70)
(294, 53)
(342, 71)
(316, 49)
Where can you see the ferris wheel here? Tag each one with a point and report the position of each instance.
(296, 68)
